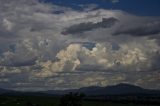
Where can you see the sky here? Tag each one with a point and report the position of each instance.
(138, 7)
(68, 44)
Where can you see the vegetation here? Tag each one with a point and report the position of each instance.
(72, 99)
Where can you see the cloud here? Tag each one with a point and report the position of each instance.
(102, 47)
(31, 35)
(67, 61)
(144, 29)
(82, 27)
(76, 57)
(114, 1)
(3, 80)
(7, 24)
(9, 70)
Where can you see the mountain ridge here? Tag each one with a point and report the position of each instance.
(119, 89)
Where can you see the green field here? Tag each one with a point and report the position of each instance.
(49, 101)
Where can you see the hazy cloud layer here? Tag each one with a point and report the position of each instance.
(44, 46)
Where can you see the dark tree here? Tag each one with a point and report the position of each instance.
(72, 99)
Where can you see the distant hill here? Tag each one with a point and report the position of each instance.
(120, 89)
(2, 91)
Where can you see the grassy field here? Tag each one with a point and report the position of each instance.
(48, 101)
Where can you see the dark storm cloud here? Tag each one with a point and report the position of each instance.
(141, 30)
(82, 27)
(19, 63)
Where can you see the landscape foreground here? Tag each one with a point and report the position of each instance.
(55, 101)
(117, 95)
